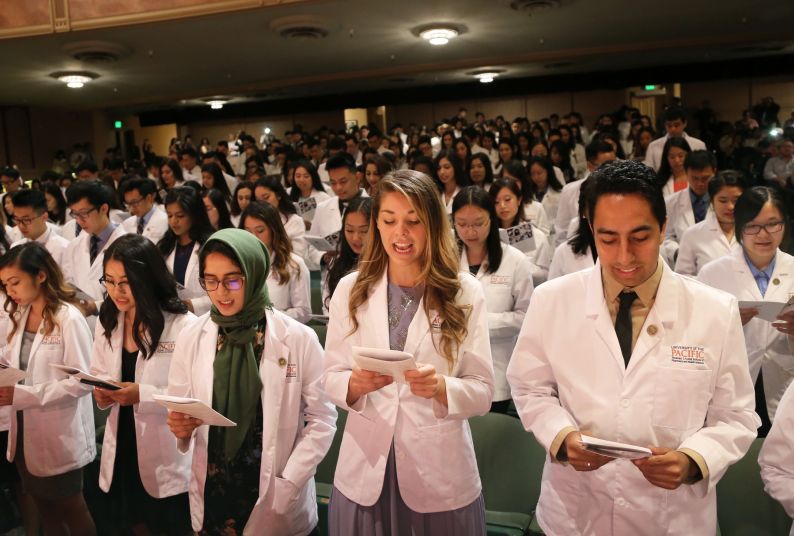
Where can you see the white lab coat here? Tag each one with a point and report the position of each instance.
(294, 298)
(327, 220)
(568, 371)
(768, 350)
(59, 420)
(191, 290)
(448, 203)
(679, 218)
(299, 422)
(164, 471)
(534, 212)
(565, 261)
(154, 229)
(567, 210)
(507, 294)
(701, 244)
(296, 232)
(653, 156)
(540, 257)
(777, 457)
(435, 463)
(551, 202)
(78, 268)
(52, 242)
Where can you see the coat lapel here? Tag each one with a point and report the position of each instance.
(273, 372)
(596, 309)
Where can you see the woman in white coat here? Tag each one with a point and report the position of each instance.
(52, 432)
(507, 198)
(547, 187)
(269, 190)
(759, 271)
(141, 470)
(289, 282)
(406, 463)
(505, 274)
(777, 456)
(450, 176)
(714, 237)
(355, 233)
(531, 209)
(579, 251)
(262, 370)
(188, 228)
(243, 195)
(307, 186)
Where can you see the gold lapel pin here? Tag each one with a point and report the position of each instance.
(776, 281)
(652, 330)
(282, 362)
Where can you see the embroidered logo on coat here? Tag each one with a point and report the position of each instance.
(51, 339)
(693, 355)
(166, 347)
(500, 279)
(292, 370)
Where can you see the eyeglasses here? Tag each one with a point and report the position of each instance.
(472, 226)
(27, 221)
(83, 214)
(230, 283)
(122, 286)
(755, 228)
(135, 203)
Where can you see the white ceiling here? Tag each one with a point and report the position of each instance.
(370, 44)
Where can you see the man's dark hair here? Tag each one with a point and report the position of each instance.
(144, 187)
(699, 160)
(627, 177)
(30, 198)
(341, 160)
(190, 151)
(87, 166)
(95, 192)
(594, 148)
(674, 112)
(10, 172)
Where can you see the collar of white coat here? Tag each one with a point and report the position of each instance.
(665, 305)
(782, 265)
(275, 332)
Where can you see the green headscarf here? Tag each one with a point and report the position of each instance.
(236, 385)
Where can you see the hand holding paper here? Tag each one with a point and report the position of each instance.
(193, 407)
(389, 362)
(10, 376)
(86, 378)
(613, 449)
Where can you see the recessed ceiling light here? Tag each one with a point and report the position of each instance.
(75, 79)
(216, 104)
(438, 34)
(486, 76)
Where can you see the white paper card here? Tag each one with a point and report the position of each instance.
(10, 376)
(389, 362)
(323, 243)
(87, 378)
(613, 449)
(193, 407)
(306, 208)
(767, 310)
(519, 236)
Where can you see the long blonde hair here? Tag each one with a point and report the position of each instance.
(33, 259)
(440, 260)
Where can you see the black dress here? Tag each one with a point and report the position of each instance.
(232, 488)
(131, 503)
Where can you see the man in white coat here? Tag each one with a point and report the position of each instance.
(328, 214)
(658, 361)
(30, 214)
(146, 218)
(89, 202)
(597, 153)
(689, 206)
(674, 125)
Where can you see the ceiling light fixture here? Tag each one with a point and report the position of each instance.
(216, 104)
(438, 36)
(75, 79)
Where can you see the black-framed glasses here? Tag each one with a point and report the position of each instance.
(83, 214)
(755, 228)
(230, 283)
(122, 286)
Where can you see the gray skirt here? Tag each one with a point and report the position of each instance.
(390, 516)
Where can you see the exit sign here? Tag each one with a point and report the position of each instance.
(650, 87)
(119, 124)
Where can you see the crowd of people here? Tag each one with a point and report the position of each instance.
(478, 247)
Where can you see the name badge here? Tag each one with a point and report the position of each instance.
(686, 354)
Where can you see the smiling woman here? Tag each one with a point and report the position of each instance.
(409, 295)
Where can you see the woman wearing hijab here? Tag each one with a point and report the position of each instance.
(262, 370)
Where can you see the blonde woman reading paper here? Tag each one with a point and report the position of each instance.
(406, 464)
